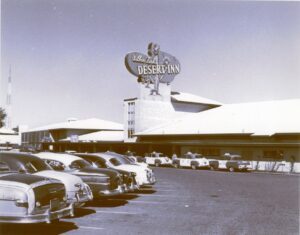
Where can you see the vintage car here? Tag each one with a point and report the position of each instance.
(28, 198)
(103, 182)
(129, 180)
(231, 162)
(157, 159)
(191, 160)
(77, 191)
(144, 175)
(136, 159)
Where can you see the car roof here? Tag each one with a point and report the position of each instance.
(65, 158)
(20, 157)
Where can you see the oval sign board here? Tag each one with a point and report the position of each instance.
(162, 65)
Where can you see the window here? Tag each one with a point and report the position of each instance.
(273, 154)
(56, 165)
(210, 152)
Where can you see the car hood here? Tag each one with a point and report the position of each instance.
(68, 179)
(129, 167)
(95, 171)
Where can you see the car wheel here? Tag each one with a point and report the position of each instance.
(157, 164)
(231, 169)
(194, 167)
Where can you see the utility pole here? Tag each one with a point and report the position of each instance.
(9, 101)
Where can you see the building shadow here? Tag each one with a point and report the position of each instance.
(52, 229)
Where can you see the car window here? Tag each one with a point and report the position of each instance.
(100, 164)
(56, 165)
(115, 162)
(198, 156)
(35, 166)
(79, 164)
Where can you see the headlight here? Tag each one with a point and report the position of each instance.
(21, 203)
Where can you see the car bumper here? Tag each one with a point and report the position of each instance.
(107, 193)
(150, 180)
(244, 167)
(47, 216)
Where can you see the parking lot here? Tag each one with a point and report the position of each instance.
(189, 202)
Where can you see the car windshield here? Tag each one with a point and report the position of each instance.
(198, 156)
(115, 162)
(35, 166)
(99, 164)
(79, 164)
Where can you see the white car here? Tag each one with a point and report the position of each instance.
(136, 161)
(157, 159)
(26, 198)
(144, 175)
(77, 191)
(191, 160)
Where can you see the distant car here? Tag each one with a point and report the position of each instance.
(28, 198)
(144, 175)
(103, 182)
(231, 162)
(129, 180)
(191, 160)
(77, 191)
(135, 158)
(157, 159)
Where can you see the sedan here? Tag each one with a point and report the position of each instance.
(103, 182)
(28, 198)
(97, 162)
(77, 191)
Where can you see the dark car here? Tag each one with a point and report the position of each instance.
(103, 182)
(97, 162)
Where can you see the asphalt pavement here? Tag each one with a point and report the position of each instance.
(185, 201)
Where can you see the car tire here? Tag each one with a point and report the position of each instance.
(194, 167)
(231, 169)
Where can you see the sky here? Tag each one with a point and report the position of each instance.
(67, 56)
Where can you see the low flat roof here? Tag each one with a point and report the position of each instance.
(257, 118)
(85, 124)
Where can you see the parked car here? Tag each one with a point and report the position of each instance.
(157, 159)
(191, 160)
(129, 180)
(77, 191)
(144, 175)
(231, 162)
(135, 158)
(28, 198)
(103, 182)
